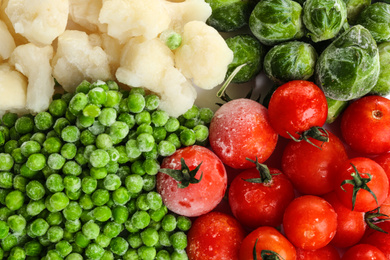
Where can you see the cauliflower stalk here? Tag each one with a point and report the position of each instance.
(40, 81)
(7, 42)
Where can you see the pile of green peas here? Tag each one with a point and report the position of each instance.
(78, 181)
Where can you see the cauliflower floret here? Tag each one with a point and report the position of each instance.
(150, 64)
(185, 11)
(129, 18)
(203, 55)
(7, 43)
(40, 88)
(19, 39)
(86, 14)
(13, 90)
(78, 58)
(40, 21)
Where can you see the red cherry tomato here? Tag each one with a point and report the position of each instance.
(364, 252)
(384, 161)
(260, 204)
(365, 125)
(351, 225)
(327, 252)
(240, 129)
(310, 222)
(199, 198)
(310, 169)
(266, 238)
(297, 106)
(376, 183)
(379, 239)
(215, 236)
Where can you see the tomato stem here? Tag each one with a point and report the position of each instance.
(184, 176)
(264, 172)
(374, 217)
(358, 183)
(266, 254)
(315, 132)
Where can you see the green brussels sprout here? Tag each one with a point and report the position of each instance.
(247, 50)
(276, 21)
(324, 19)
(289, 61)
(376, 18)
(382, 87)
(229, 15)
(354, 8)
(335, 108)
(349, 67)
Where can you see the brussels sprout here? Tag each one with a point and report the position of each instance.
(229, 15)
(376, 18)
(290, 60)
(247, 50)
(354, 8)
(335, 108)
(324, 19)
(276, 21)
(382, 87)
(349, 67)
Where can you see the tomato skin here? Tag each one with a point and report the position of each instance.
(364, 252)
(196, 199)
(365, 125)
(310, 222)
(296, 106)
(260, 204)
(379, 184)
(268, 239)
(310, 169)
(327, 252)
(384, 161)
(240, 129)
(351, 225)
(379, 239)
(215, 236)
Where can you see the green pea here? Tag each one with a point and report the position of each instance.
(58, 107)
(36, 162)
(9, 119)
(102, 213)
(140, 219)
(55, 234)
(56, 161)
(100, 197)
(183, 223)
(68, 151)
(64, 248)
(70, 134)
(112, 182)
(91, 230)
(82, 240)
(103, 240)
(14, 200)
(20, 183)
(72, 168)
(87, 137)
(54, 183)
(10, 146)
(134, 183)
(158, 214)
(187, 137)
(72, 211)
(88, 184)
(149, 182)
(163, 255)
(74, 256)
(107, 116)
(73, 226)
(136, 102)
(104, 141)
(30, 147)
(6, 180)
(145, 142)
(33, 248)
(149, 236)
(9, 242)
(97, 96)
(120, 214)
(17, 253)
(43, 121)
(78, 103)
(86, 202)
(99, 158)
(154, 200)
(54, 218)
(142, 203)
(24, 125)
(72, 183)
(113, 98)
(147, 252)
(169, 222)
(152, 102)
(4, 229)
(164, 238)
(132, 149)
(121, 196)
(112, 229)
(6, 162)
(35, 207)
(119, 246)
(98, 173)
(58, 201)
(118, 131)
(179, 255)
(84, 121)
(127, 118)
(166, 148)
(39, 227)
(94, 251)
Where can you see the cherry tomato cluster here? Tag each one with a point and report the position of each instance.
(280, 183)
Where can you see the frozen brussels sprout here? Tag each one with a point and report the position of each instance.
(349, 67)
(324, 19)
(376, 18)
(382, 87)
(354, 8)
(247, 50)
(289, 61)
(229, 15)
(276, 21)
(335, 108)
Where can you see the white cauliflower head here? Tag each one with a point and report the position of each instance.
(203, 55)
(129, 18)
(40, 21)
(34, 62)
(7, 43)
(78, 58)
(150, 64)
(86, 14)
(185, 11)
(19, 39)
(13, 90)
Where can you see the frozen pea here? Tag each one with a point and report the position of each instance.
(91, 230)
(64, 248)
(135, 240)
(159, 134)
(39, 227)
(72, 211)
(35, 190)
(160, 118)
(152, 102)
(98, 173)
(72, 168)
(94, 251)
(169, 222)
(70, 134)
(140, 219)
(112, 182)
(164, 237)
(82, 240)
(119, 246)
(87, 137)
(35, 207)
(127, 118)
(136, 102)
(56, 161)
(97, 96)
(121, 196)
(24, 125)
(113, 98)
(58, 201)
(78, 102)
(100, 197)
(74, 256)
(102, 213)
(99, 158)
(132, 149)
(17, 223)
(118, 131)
(68, 151)
(166, 148)
(147, 252)
(6, 162)
(6, 180)
(104, 141)
(179, 240)
(112, 229)
(17, 253)
(151, 166)
(183, 223)
(120, 214)
(103, 240)
(54, 218)
(134, 183)
(55, 234)
(149, 182)
(163, 255)
(30, 147)
(145, 142)
(154, 200)
(201, 133)
(43, 121)
(14, 200)
(4, 229)
(33, 248)
(73, 226)
(9, 119)
(91, 110)
(54, 183)
(84, 121)
(107, 116)
(187, 137)
(149, 236)
(88, 184)
(143, 117)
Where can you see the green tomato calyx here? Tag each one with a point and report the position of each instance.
(374, 217)
(315, 132)
(184, 176)
(265, 174)
(266, 254)
(358, 182)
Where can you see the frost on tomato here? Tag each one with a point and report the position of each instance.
(215, 236)
(195, 199)
(240, 129)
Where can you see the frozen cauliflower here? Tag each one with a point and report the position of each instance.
(86, 14)
(203, 55)
(129, 18)
(19, 39)
(142, 58)
(7, 43)
(185, 11)
(77, 58)
(13, 90)
(34, 63)
(40, 21)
